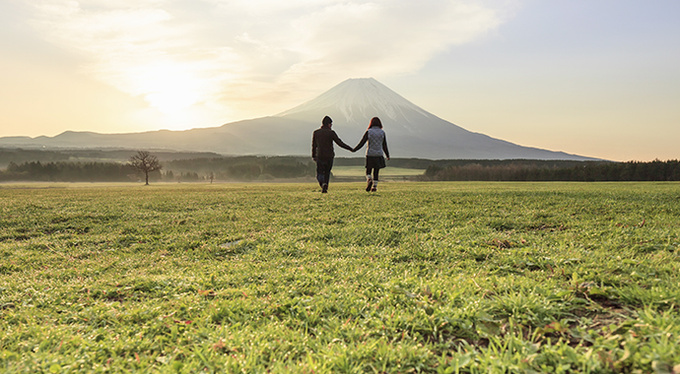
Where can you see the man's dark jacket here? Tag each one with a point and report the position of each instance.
(322, 144)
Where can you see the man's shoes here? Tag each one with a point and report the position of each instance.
(369, 184)
(324, 188)
(373, 189)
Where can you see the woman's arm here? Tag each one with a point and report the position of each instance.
(384, 147)
(361, 142)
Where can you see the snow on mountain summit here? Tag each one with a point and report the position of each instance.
(358, 100)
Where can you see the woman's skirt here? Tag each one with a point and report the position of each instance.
(375, 162)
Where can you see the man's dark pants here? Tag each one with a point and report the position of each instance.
(323, 171)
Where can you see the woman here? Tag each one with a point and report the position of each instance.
(375, 153)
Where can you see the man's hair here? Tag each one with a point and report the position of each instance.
(326, 121)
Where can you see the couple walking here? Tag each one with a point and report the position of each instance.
(323, 154)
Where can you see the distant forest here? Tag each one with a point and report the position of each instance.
(111, 166)
(530, 170)
(192, 170)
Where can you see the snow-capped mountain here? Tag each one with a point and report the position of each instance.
(356, 100)
(411, 131)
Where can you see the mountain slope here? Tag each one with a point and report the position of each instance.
(411, 131)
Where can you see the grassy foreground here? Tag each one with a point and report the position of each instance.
(435, 278)
(388, 173)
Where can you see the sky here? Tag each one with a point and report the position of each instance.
(598, 78)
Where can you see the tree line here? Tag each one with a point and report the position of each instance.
(247, 168)
(262, 168)
(578, 171)
(66, 171)
(22, 155)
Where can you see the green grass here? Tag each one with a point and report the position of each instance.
(360, 171)
(418, 277)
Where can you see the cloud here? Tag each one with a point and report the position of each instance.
(231, 55)
(386, 37)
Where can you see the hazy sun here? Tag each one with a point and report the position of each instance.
(170, 87)
(171, 100)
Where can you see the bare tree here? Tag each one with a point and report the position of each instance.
(146, 163)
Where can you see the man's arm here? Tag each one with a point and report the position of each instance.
(339, 142)
(314, 147)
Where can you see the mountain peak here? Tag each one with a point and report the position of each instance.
(357, 100)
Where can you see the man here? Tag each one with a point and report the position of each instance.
(322, 151)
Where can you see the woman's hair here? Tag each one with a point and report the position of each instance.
(375, 122)
(326, 122)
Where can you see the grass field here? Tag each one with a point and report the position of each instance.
(390, 172)
(418, 277)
